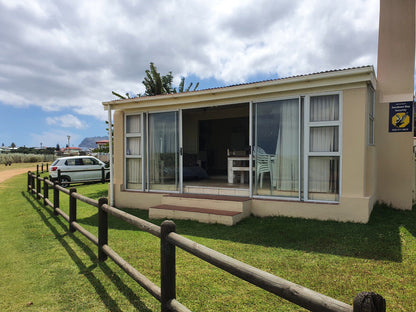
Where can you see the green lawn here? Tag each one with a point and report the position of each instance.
(52, 270)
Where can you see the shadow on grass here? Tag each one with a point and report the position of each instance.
(46, 213)
(379, 239)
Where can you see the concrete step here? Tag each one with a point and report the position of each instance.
(203, 215)
(214, 202)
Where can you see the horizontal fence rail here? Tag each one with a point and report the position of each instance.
(169, 240)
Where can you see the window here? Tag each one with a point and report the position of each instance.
(133, 151)
(287, 132)
(371, 113)
(89, 161)
(74, 162)
(322, 147)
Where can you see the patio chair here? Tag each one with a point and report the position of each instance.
(264, 165)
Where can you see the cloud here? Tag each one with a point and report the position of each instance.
(69, 56)
(66, 121)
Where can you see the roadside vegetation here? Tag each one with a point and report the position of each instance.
(25, 158)
(46, 268)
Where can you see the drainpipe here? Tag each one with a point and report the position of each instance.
(110, 143)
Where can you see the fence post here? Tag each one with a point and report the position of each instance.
(45, 190)
(55, 198)
(102, 228)
(369, 302)
(28, 181)
(72, 209)
(32, 181)
(102, 175)
(167, 266)
(37, 186)
(37, 169)
(41, 167)
(47, 165)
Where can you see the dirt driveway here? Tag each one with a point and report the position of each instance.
(7, 174)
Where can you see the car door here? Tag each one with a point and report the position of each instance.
(72, 169)
(92, 169)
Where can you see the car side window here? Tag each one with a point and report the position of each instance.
(89, 161)
(70, 162)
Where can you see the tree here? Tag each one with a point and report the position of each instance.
(155, 84)
(13, 145)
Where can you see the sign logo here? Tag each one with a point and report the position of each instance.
(401, 116)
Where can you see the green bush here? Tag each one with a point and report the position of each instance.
(25, 158)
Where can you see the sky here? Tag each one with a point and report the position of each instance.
(59, 60)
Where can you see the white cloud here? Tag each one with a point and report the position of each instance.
(69, 56)
(66, 121)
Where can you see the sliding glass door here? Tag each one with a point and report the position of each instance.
(276, 151)
(163, 151)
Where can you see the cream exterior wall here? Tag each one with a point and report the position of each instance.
(395, 83)
(357, 196)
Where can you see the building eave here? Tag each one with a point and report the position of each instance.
(238, 92)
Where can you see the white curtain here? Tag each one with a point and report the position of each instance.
(324, 108)
(134, 173)
(163, 143)
(323, 170)
(133, 148)
(133, 124)
(286, 163)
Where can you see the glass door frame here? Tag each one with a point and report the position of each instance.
(253, 142)
(179, 149)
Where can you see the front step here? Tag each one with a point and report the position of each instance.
(226, 210)
(221, 202)
(203, 215)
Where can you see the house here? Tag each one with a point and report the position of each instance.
(325, 145)
(70, 151)
(102, 153)
(102, 144)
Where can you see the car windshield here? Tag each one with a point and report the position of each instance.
(55, 162)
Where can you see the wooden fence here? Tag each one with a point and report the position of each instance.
(39, 168)
(169, 240)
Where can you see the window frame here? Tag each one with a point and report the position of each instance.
(306, 144)
(127, 156)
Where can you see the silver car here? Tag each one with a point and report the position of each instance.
(78, 169)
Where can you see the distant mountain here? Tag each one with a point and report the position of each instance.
(90, 142)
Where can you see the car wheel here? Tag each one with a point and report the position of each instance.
(65, 181)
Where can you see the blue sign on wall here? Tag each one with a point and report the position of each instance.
(401, 117)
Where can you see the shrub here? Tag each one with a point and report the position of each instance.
(24, 158)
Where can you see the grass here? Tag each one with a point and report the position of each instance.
(29, 166)
(43, 264)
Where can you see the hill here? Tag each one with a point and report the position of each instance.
(90, 142)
